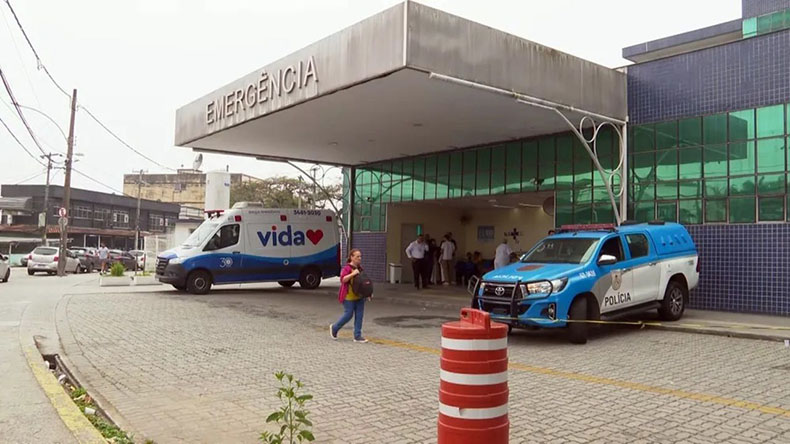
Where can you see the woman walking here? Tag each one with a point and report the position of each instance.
(353, 304)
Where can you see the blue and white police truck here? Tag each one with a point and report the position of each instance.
(593, 272)
(250, 243)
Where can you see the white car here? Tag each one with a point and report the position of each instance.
(45, 259)
(5, 268)
(140, 257)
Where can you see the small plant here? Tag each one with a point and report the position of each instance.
(292, 416)
(117, 269)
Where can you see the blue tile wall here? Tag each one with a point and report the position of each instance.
(745, 268)
(749, 73)
(374, 253)
(753, 8)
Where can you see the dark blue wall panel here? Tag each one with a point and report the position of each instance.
(753, 8)
(374, 253)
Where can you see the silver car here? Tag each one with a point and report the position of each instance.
(45, 260)
(5, 268)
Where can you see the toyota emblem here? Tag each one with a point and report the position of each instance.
(499, 291)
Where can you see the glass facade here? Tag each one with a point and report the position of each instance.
(729, 167)
(556, 163)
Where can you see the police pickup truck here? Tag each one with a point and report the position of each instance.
(593, 272)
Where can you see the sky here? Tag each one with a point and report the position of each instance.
(135, 62)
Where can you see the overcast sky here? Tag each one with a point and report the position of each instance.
(135, 62)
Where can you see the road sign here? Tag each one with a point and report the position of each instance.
(63, 221)
(62, 212)
(42, 219)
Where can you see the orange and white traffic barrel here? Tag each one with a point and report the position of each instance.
(473, 393)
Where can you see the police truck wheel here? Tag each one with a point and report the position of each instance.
(577, 331)
(286, 284)
(674, 303)
(310, 279)
(199, 282)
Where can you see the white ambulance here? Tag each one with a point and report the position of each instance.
(250, 243)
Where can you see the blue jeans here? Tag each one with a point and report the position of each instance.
(355, 309)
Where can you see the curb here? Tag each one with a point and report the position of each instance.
(720, 332)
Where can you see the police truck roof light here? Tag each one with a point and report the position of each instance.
(587, 227)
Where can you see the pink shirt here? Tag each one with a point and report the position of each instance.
(347, 269)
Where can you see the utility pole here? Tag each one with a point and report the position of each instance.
(137, 218)
(67, 190)
(46, 198)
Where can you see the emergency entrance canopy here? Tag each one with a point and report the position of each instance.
(366, 93)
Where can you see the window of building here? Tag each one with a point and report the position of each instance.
(638, 245)
(120, 218)
(156, 222)
(80, 212)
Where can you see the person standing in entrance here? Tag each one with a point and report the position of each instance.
(417, 252)
(353, 304)
(104, 255)
(447, 254)
(502, 256)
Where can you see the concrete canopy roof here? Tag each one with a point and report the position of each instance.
(365, 94)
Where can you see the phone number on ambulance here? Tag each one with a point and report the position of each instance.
(308, 212)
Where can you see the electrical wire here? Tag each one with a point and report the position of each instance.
(41, 173)
(19, 111)
(21, 61)
(21, 144)
(43, 67)
(100, 183)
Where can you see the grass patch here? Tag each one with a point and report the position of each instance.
(109, 431)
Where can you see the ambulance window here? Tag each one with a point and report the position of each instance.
(613, 247)
(637, 245)
(226, 236)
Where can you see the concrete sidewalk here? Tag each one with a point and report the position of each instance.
(740, 325)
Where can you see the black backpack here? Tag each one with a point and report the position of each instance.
(362, 285)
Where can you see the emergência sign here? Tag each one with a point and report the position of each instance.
(267, 87)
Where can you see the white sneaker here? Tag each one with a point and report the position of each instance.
(361, 340)
(331, 333)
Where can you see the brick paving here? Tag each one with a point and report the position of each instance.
(182, 368)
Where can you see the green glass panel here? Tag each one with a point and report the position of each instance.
(770, 155)
(546, 158)
(430, 177)
(375, 218)
(690, 163)
(741, 157)
(644, 211)
(643, 166)
(666, 190)
(644, 138)
(602, 214)
(777, 20)
(787, 205)
(715, 188)
(582, 214)
(456, 164)
(770, 121)
(742, 209)
(529, 166)
(498, 182)
(690, 211)
(691, 189)
(716, 210)
(468, 185)
(715, 129)
(498, 155)
(771, 184)
(564, 162)
(583, 195)
(771, 209)
(690, 131)
(442, 187)
(749, 27)
(563, 216)
(564, 197)
(483, 183)
(395, 185)
(483, 159)
(667, 165)
(419, 179)
(764, 24)
(604, 142)
(456, 188)
(582, 172)
(666, 135)
(741, 125)
(741, 186)
(601, 195)
(443, 165)
(715, 157)
(470, 162)
(667, 211)
(407, 187)
(644, 191)
(513, 168)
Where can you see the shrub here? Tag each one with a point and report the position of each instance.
(292, 417)
(117, 269)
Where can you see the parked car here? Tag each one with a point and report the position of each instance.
(5, 268)
(89, 259)
(45, 259)
(24, 259)
(129, 262)
(141, 258)
(594, 272)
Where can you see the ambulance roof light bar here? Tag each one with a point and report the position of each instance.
(587, 227)
(214, 213)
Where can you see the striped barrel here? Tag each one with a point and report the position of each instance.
(473, 393)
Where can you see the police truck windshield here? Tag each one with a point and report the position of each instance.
(562, 251)
(201, 233)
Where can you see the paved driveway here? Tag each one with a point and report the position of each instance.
(181, 368)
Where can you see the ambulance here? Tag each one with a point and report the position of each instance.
(250, 243)
(593, 272)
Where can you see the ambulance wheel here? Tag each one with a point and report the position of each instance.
(674, 302)
(577, 331)
(286, 284)
(180, 287)
(310, 278)
(199, 282)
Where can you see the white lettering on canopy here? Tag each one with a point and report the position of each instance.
(267, 87)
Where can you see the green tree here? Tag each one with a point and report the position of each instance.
(286, 192)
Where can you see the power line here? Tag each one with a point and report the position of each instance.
(19, 111)
(100, 183)
(31, 177)
(20, 144)
(22, 62)
(42, 66)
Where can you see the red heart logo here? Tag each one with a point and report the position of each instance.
(315, 236)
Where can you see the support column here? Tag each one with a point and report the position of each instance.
(352, 194)
(624, 172)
